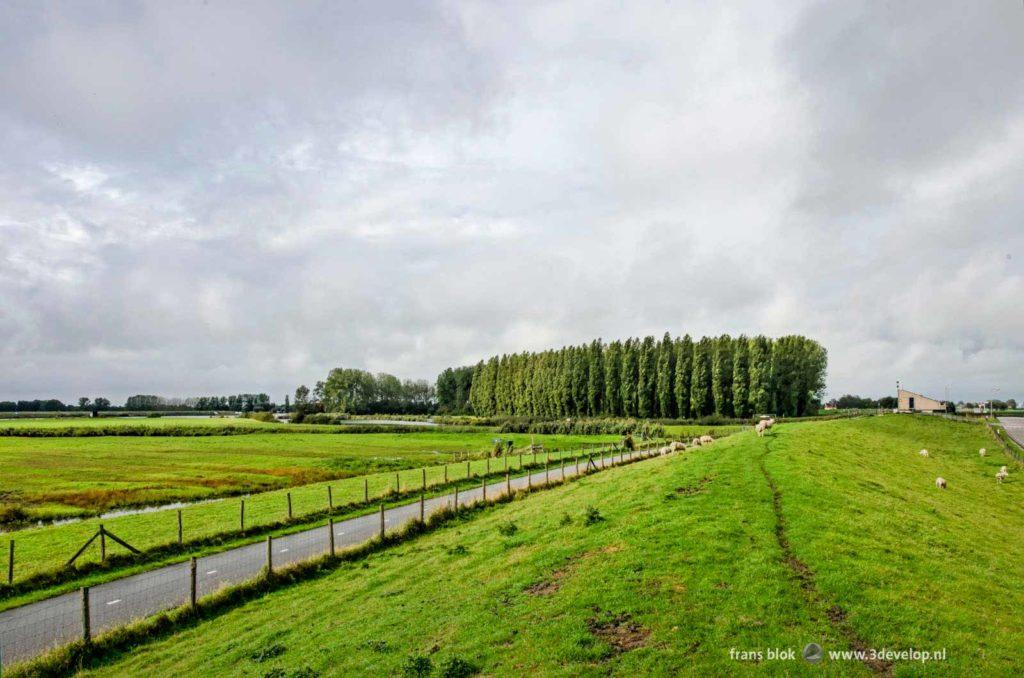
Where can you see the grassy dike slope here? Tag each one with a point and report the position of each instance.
(688, 562)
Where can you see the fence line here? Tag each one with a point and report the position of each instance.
(264, 518)
(31, 630)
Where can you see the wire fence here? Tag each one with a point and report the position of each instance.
(44, 553)
(29, 631)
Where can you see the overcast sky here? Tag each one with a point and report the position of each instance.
(218, 197)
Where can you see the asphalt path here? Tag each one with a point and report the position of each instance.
(31, 630)
(1014, 427)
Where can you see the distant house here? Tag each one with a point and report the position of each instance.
(915, 402)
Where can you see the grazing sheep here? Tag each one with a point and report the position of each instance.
(981, 452)
(1003, 469)
(923, 453)
(705, 439)
(940, 483)
(678, 445)
(771, 422)
(761, 427)
(695, 442)
(1003, 473)
(664, 450)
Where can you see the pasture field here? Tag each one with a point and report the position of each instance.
(831, 532)
(98, 422)
(60, 477)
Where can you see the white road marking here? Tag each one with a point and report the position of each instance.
(283, 551)
(340, 532)
(113, 602)
(212, 572)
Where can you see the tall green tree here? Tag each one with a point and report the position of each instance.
(629, 378)
(741, 377)
(761, 389)
(683, 375)
(646, 379)
(664, 387)
(595, 379)
(701, 400)
(613, 379)
(721, 375)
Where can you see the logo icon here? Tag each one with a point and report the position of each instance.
(813, 653)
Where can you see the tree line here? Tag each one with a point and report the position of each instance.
(354, 391)
(671, 378)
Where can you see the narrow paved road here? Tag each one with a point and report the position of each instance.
(1014, 428)
(28, 631)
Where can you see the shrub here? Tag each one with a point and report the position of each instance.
(417, 665)
(628, 442)
(456, 667)
(507, 528)
(592, 516)
(267, 417)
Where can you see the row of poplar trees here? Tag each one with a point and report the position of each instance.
(671, 379)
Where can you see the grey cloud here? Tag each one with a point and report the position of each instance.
(224, 196)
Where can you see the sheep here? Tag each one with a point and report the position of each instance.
(1001, 475)
(664, 450)
(695, 442)
(1003, 469)
(678, 446)
(771, 422)
(761, 427)
(923, 453)
(981, 452)
(705, 439)
(940, 483)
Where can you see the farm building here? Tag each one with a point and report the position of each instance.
(915, 402)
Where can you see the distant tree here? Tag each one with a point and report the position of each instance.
(722, 375)
(741, 377)
(1011, 404)
(888, 402)
(612, 379)
(595, 379)
(646, 378)
(629, 378)
(701, 400)
(664, 386)
(683, 375)
(100, 404)
(8, 406)
(760, 387)
(83, 403)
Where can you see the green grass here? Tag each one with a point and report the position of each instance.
(99, 422)
(44, 550)
(688, 431)
(682, 563)
(59, 477)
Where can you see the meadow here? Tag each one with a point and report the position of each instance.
(73, 476)
(832, 532)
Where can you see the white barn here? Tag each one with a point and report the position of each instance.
(915, 402)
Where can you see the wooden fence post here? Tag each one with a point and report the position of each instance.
(241, 516)
(488, 463)
(289, 494)
(330, 498)
(398, 484)
(330, 529)
(180, 531)
(563, 467)
(10, 563)
(508, 483)
(424, 479)
(520, 461)
(446, 474)
(483, 489)
(456, 504)
(467, 469)
(423, 508)
(547, 479)
(103, 544)
(192, 583)
(366, 490)
(86, 626)
(270, 554)
(382, 521)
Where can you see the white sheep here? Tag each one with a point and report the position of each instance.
(678, 446)
(761, 427)
(940, 483)
(981, 452)
(771, 422)
(664, 450)
(705, 439)
(923, 453)
(1003, 473)
(695, 442)
(1003, 469)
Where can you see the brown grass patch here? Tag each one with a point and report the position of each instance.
(619, 631)
(696, 488)
(548, 586)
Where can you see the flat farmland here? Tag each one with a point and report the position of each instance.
(54, 477)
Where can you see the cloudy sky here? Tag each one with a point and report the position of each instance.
(216, 197)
